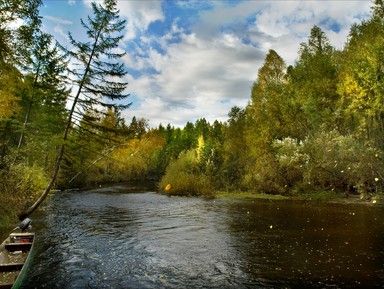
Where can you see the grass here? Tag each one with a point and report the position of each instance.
(249, 195)
(320, 196)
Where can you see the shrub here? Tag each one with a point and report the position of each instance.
(344, 163)
(262, 174)
(292, 160)
(20, 185)
(183, 177)
(23, 182)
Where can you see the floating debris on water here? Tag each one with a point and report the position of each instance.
(167, 188)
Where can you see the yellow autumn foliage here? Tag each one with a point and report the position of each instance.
(9, 102)
(131, 161)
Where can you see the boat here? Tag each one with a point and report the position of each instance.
(15, 255)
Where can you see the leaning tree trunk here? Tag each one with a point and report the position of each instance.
(60, 154)
(27, 115)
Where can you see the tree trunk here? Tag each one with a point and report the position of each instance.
(26, 120)
(60, 154)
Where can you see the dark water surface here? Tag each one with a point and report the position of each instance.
(145, 240)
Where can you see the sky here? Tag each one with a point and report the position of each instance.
(192, 59)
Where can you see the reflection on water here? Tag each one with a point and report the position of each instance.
(297, 245)
(146, 240)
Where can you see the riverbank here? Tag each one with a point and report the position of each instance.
(11, 206)
(321, 196)
(326, 197)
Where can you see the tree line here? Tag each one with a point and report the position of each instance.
(316, 125)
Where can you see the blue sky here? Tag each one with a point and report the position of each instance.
(196, 58)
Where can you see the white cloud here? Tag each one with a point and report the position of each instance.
(58, 20)
(71, 2)
(139, 15)
(15, 23)
(213, 65)
(198, 78)
(58, 26)
(295, 19)
(59, 31)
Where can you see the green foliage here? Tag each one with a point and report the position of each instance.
(314, 127)
(292, 160)
(263, 175)
(312, 81)
(25, 180)
(183, 177)
(338, 162)
(265, 112)
(10, 80)
(234, 148)
(14, 43)
(132, 161)
(19, 185)
(378, 9)
(361, 84)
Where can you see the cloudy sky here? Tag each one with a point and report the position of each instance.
(196, 58)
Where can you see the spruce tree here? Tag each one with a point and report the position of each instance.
(313, 81)
(13, 42)
(96, 75)
(46, 68)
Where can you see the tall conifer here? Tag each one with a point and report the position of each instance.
(97, 72)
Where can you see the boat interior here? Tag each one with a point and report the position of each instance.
(13, 254)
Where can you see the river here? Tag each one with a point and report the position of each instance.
(104, 239)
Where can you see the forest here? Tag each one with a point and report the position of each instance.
(314, 126)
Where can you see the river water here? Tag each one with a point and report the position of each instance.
(99, 239)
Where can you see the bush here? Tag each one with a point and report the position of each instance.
(23, 182)
(183, 177)
(20, 185)
(343, 163)
(327, 161)
(292, 160)
(262, 174)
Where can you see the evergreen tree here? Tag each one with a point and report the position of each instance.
(96, 73)
(235, 147)
(46, 67)
(138, 127)
(378, 9)
(15, 41)
(313, 80)
(267, 98)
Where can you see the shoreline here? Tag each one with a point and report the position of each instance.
(323, 197)
(330, 197)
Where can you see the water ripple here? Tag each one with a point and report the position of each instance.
(145, 240)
